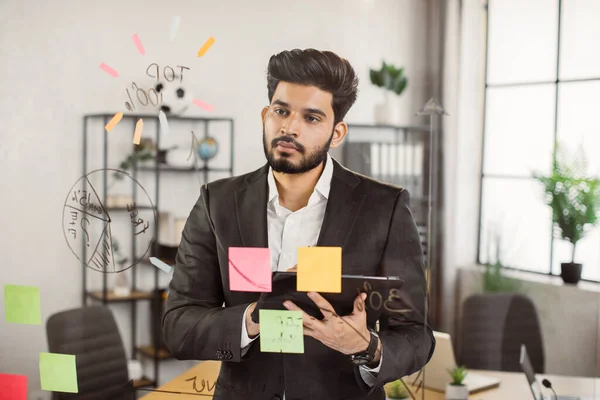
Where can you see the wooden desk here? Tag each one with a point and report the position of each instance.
(513, 385)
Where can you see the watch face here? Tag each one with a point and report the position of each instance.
(361, 359)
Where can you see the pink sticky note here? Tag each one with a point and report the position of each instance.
(249, 269)
(138, 44)
(203, 105)
(108, 70)
(14, 387)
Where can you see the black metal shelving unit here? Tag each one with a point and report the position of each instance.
(96, 123)
(400, 155)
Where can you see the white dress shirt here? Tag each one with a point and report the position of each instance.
(289, 230)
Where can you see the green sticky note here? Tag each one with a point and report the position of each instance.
(281, 331)
(58, 372)
(22, 304)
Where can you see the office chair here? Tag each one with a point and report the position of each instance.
(494, 327)
(91, 334)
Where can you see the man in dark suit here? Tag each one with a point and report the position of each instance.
(302, 197)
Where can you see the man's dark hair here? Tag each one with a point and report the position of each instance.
(323, 69)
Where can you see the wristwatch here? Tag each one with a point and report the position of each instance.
(367, 356)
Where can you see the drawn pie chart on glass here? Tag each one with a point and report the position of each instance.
(89, 226)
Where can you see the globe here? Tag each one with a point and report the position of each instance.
(207, 148)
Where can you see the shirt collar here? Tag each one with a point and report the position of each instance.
(323, 184)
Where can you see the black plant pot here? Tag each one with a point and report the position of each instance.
(570, 272)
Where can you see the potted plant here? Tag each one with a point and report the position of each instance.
(122, 287)
(575, 199)
(392, 80)
(396, 390)
(494, 280)
(457, 390)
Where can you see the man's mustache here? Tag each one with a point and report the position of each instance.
(289, 140)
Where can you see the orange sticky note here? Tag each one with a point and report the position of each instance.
(114, 121)
(137, 136)
(209, 42)
(319, 269)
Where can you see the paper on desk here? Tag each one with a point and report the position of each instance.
(281, 331)
(319, 269)
(249, 269)
(14, 387)
(58, 372)
(22, 304)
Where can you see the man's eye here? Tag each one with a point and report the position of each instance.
(312, 119)
(277, 110)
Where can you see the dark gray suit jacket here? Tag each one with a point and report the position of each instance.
(372, 223)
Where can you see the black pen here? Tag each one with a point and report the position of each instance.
(381, 278)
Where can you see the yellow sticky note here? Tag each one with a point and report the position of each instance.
(137, 135)
(114, 121)
(319, 269)
(209, 42)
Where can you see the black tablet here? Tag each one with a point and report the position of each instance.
(383, 293)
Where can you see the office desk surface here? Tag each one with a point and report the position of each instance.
(513, 385)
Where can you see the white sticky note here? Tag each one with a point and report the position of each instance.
(175, 27)
(164, 124)
(161, 265)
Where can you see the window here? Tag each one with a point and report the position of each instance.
(542, 85)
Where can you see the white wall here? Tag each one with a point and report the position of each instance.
(49, 75)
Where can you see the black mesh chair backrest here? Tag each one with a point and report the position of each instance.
(91, 334)
(494, 327)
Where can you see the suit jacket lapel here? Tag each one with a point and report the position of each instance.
(251, 209)
(343, 206)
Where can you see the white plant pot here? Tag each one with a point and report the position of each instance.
(454, 392)
(385, 112)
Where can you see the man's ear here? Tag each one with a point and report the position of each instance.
(339, 133)
(263, 113)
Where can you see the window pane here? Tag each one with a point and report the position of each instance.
(587, 253)
(522, 40)
(519, 130)
(580, 30)
(515, 209)
(578, 105)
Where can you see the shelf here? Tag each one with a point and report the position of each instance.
(150, 351)
(155, 116)
(180, 169)
(112, 297)
(126, 210)
(143, 382)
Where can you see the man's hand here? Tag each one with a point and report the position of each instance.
(252, 327)
(348, 334)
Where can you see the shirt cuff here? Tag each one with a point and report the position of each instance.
(369, 375)
(246, 340)
(378, 367)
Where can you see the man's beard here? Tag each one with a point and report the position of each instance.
(284, 165)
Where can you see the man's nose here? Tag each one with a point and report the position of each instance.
(291, 126)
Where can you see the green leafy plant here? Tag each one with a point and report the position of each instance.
(389, 77)
(396, 390)
(494, 280)
(117, 251)
(145, 151)
(573, 196)
(458, 375)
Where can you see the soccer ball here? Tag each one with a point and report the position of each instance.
(175, 98)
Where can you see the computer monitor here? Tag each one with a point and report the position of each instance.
(527, 368)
